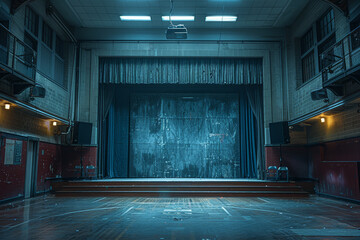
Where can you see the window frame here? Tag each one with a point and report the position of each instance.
(354, 24)
(315, 28)
(48, 42)
(29, 13)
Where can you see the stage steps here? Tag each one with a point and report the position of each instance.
(179, 188)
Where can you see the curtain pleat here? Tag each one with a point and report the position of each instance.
(217, 71)
(181, 70)
(248, 137)
(254, 95)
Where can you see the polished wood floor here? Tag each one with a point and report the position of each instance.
(181, 188)
(50, 217)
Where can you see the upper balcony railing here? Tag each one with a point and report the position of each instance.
(16, 57)
(341, 58)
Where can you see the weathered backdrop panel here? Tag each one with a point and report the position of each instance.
(182, 135)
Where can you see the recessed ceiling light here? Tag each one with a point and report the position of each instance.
(178, 18)
(220, 19)
(135, 18)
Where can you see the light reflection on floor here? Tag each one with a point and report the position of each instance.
(52, 217)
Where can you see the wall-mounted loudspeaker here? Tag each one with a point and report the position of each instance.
(279, 133)
(319, 94)
(82, 133)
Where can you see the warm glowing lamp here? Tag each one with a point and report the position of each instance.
(322, 120)
(54, 124)
(7, 106)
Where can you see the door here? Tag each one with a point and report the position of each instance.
(31, 169)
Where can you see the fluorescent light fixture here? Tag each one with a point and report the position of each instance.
(178, 18)
(220, 18)
(135, 18)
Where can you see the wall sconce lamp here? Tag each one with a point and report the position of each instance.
(322, 120)
(7, 106)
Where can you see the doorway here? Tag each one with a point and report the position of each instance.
(31, 168)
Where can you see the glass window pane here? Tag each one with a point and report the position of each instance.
(325, 25)
(308, 67)
(47, 35)
(31, 21)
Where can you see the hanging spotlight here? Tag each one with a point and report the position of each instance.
(7, 106)
(178, 31)
(322, 120)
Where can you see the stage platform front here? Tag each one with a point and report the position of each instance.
(181, 187)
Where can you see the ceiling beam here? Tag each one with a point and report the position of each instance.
(15, 4)
(341, 5)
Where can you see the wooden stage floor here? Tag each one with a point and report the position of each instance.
(176, 180)
(50, 217)
(181, 187)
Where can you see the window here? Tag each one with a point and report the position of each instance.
(308, 66)
(329, 58)
(4, 43)
(325, 38)
(355, 36)
(31, 42)
(59, 62)
(47, 35)
(307, 55)
(59, 48)
(31, 21)
(50, 48)
(31, 34)
(312, 48)
(325, 25)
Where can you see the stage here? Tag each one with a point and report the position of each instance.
(181, 187)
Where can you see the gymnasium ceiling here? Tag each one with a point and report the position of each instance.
(250, 13)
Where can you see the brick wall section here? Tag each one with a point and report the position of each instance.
(300, 102)
(57, 99)
(341, 125)
(21, 122)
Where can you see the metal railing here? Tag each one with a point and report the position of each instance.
(16, 56)
(342, 56)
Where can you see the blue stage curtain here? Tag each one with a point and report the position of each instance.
(255, 99)
(115, 132)
(251, 133)
(116, 142)
(113, 104)
(159, 70)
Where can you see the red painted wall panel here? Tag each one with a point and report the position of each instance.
(294, 157)
(71, 164)
(12, 177)
(53, 161)
(335, 165)
(49, 165)
(339, 179)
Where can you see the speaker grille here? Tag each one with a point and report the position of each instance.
(82, 133)
(279, 133)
